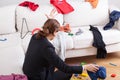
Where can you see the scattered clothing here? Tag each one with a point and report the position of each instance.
(79, 32)
(98, 42)
(65, 28)
(30, 5)
(114, 16)
(13, 77)
(101, 73)
(62, 6)
(3, 39)
(60, 45)
(94, 3)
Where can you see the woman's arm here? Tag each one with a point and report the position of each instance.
(52, 14)
(55, 60)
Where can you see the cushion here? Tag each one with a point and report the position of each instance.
(11, 60)
(7, 18)
(84, 14)
(85, 39)
(34, 19)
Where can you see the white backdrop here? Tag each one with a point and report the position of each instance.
(10, 2)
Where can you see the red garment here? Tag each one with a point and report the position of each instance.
(62, 6)
(31, 5)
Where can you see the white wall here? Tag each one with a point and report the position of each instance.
(10, 2)
(115, 2)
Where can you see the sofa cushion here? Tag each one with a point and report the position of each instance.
(11, 60)
(35, 19)
(84, 14)
(7, 18)
(85, 39)
(9, 40)
(68, 41)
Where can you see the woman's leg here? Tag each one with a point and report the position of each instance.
(59, 75)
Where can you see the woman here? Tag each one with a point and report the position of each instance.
(41, 59)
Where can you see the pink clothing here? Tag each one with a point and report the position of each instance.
(13, 77)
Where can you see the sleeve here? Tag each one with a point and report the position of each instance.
(53, 59)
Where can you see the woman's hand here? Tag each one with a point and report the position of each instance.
(91, 67)
(52, 14)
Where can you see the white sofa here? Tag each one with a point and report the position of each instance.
(13, 45)
(82, 16)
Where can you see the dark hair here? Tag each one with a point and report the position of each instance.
(49, 27)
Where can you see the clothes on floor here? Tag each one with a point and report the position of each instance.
(114, 16)
(13, 77)
(30, 5)
(62, 6)
(100, 74)
(98, 42)
(41, 61)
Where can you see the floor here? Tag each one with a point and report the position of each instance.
(111, 62)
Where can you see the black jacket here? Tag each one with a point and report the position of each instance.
(41, 60)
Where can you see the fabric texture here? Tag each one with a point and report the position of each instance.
(101, 73)
(62, 6)
(98, 42)
(30, 5)
(114, 16)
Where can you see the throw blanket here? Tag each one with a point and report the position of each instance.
(13, 77)
(114, 16)
(98, 42)
(60, 45)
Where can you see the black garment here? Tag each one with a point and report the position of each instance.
(114, 16)
(98, 42)
(41, 60)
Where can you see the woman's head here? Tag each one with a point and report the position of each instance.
(50, 27)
